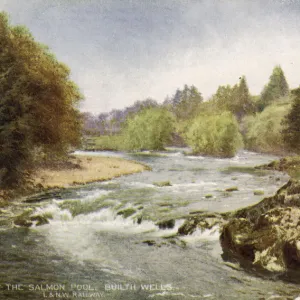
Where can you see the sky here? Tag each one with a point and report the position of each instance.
(120, 51)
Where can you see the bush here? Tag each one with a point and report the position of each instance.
(291, 124)
(216, 135)
(263, 131)
(104, 143)
(150, 129)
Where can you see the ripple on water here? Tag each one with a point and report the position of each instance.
(90, 236)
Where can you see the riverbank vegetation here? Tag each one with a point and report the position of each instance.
(263, 131)
(289, 165)
(39, 119)
(216, 135)
(149, 129)
(231, 119)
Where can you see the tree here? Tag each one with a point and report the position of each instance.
(214, 134)
(236, 99)
(224, 98)
(38, 103)
(276, 88)
(244, 104)
(291, 124)
(185, 103)
(150, 129)
(263, 131)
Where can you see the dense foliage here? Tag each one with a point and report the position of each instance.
(291, 124)
(214, 134)
(235, 99)
(150, 129)
(104, 143)
(263, 131)
(37, 104)
(212, 127)
(276, 88)
(185, 103)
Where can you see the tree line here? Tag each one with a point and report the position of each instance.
(230, 119)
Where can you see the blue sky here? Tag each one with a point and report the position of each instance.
(121, 51)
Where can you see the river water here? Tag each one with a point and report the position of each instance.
(102, 241)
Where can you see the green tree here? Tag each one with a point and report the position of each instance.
(185, 103)
(291, 124)
(37, 104)
(263, 131)
(236, 99)
(243, 102)
(276, 88)
(224, 98)
(149, 129)
(215, 134)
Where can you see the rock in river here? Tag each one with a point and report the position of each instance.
(267, 234)
(166, 224)
(202, 221)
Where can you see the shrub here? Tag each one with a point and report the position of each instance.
(105, 142)
(263, 131)
(150, 129)
(216, 135)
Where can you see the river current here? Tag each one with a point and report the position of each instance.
(103, 240)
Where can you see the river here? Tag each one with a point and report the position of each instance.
(102, 241)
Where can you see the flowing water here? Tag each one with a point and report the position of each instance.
(103, 241)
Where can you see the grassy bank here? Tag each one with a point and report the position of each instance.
(77, 170)
(289, 165)
(85, 169)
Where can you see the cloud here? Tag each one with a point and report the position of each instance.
(122, 51)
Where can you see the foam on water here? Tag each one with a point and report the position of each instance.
(194, 184)
(91, 195)
(202, 235)
(55, 211)
(195, 157)
(78, 237)
(140, 184)
(176, 154)
(108, 182)
(99, 153)
(105, 219)
(168, 232)
(182, 186)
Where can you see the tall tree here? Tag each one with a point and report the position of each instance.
(224, 98)
(38, 102)
(243, 101)
(185, 103)
(291, 124)
(236, 99)
(276, 88)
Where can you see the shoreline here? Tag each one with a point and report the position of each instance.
(265, 236)
(85, 169)
(78, 170)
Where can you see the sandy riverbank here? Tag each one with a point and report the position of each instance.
(85, 169)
